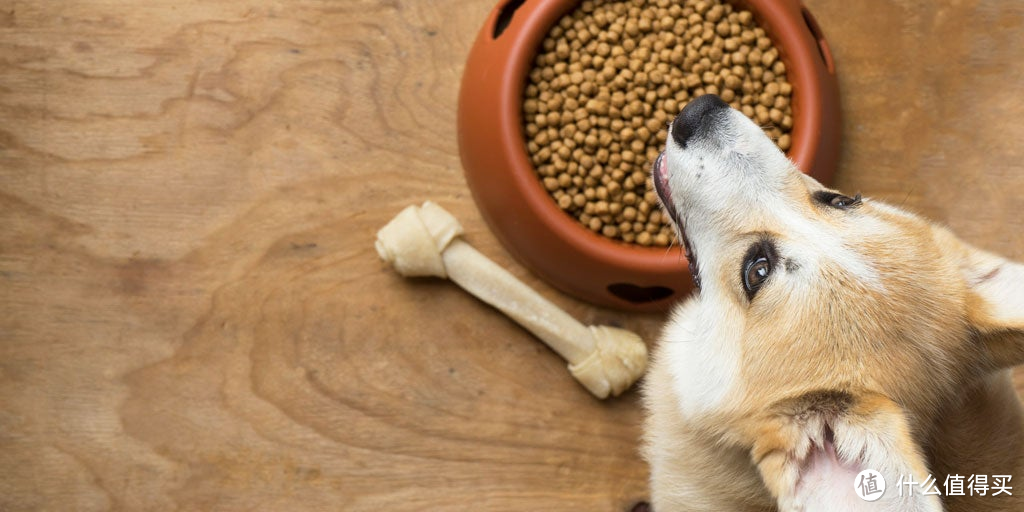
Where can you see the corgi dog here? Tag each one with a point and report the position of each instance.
(834, 345)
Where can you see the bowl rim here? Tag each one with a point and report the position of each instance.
(509, 191)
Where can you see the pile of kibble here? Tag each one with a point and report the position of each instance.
(609, 78)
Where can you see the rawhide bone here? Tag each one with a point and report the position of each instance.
(424, 241)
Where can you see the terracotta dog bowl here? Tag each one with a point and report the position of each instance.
(527, 220)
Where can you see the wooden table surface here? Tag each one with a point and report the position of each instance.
(192, 315)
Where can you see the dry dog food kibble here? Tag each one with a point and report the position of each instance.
(608, 79)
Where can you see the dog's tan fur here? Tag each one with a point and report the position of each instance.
(906, 372)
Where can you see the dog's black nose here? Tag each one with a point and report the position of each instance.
(694, 116)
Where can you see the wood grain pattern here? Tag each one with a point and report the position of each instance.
(192, 316)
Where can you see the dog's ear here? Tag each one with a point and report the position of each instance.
(995, 300)
(812, 451)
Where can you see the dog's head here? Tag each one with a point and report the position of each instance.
(841, 321)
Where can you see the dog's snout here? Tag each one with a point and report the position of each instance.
(693, 117)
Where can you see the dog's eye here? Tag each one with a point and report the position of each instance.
(837, 201)
(757, 267)
(756, 274)
(844, 201)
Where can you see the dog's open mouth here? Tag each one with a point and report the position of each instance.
(660, 177)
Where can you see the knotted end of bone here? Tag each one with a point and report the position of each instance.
(619, 359)
(414, 240)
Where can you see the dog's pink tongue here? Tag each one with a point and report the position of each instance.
(659, 175)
